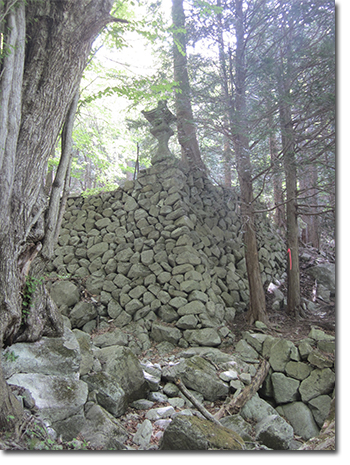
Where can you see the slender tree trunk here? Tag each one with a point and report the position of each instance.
(290, 169)
(277, 184)
(308, 182)
(257, 307)
(51, 221)
(186, 129)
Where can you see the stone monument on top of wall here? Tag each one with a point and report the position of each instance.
(160, 119)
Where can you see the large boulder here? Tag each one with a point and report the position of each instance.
(102, 430)
(109, 393)
(318, 383)
(161, 332)
(57, 398)
(324, 274)
(256, 409)
(285, 389)
(300, 417)
(198, 374)
(193, 433)
(124, 366)
(49, 356)
(274, 432)
(64, 293)
(202, 337)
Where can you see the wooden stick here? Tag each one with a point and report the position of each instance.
(195, 402)
(238, 402)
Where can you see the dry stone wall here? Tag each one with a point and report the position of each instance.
(165, 251)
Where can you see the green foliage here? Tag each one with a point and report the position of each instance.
(10, 356)
(97, 190)
(30, 287)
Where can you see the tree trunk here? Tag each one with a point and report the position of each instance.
(308, 182)
(186, 129)
(257, 306)
(277, 184)
(47, 46)
(290, 169)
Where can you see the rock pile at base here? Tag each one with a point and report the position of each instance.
(114, 400)
(164, 252)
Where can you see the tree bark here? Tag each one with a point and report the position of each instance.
(277, 183)
(47, 46)
(186, 129)
(257, 305)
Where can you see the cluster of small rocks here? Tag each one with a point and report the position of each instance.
(164, 251)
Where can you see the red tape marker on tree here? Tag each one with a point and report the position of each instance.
(290, 259)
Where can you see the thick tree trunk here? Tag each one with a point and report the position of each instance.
(257, 306)
(47, 46)
(186, 129)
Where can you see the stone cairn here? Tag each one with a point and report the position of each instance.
(164, 251)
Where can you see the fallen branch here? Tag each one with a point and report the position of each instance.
(238, 402)
(195, 402)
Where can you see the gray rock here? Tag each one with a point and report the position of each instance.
(82, 313)
(85, 344)
(280, 354)
(187, 322)
(160, 412)
(202, 337)
(298, 370)
(274, 432)
(257, 409)
(304, 349)
(64, 293)
(239, 425)
(160, 333)
(198, 374)
(177, 402)
(49, 356)
(256, 340)
(193, 433)
(109, 393)
(300, 417)
(246, 352)
(122, 364)
(102, 430)
(97, 250)
(142, 404)
(320, 407)
(284, 389)
(171, 390)
(319, 360)
(143, 435)
(318, 383)
(56, 397)
(324, 274)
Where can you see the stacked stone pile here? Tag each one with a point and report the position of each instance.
(165, 252)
